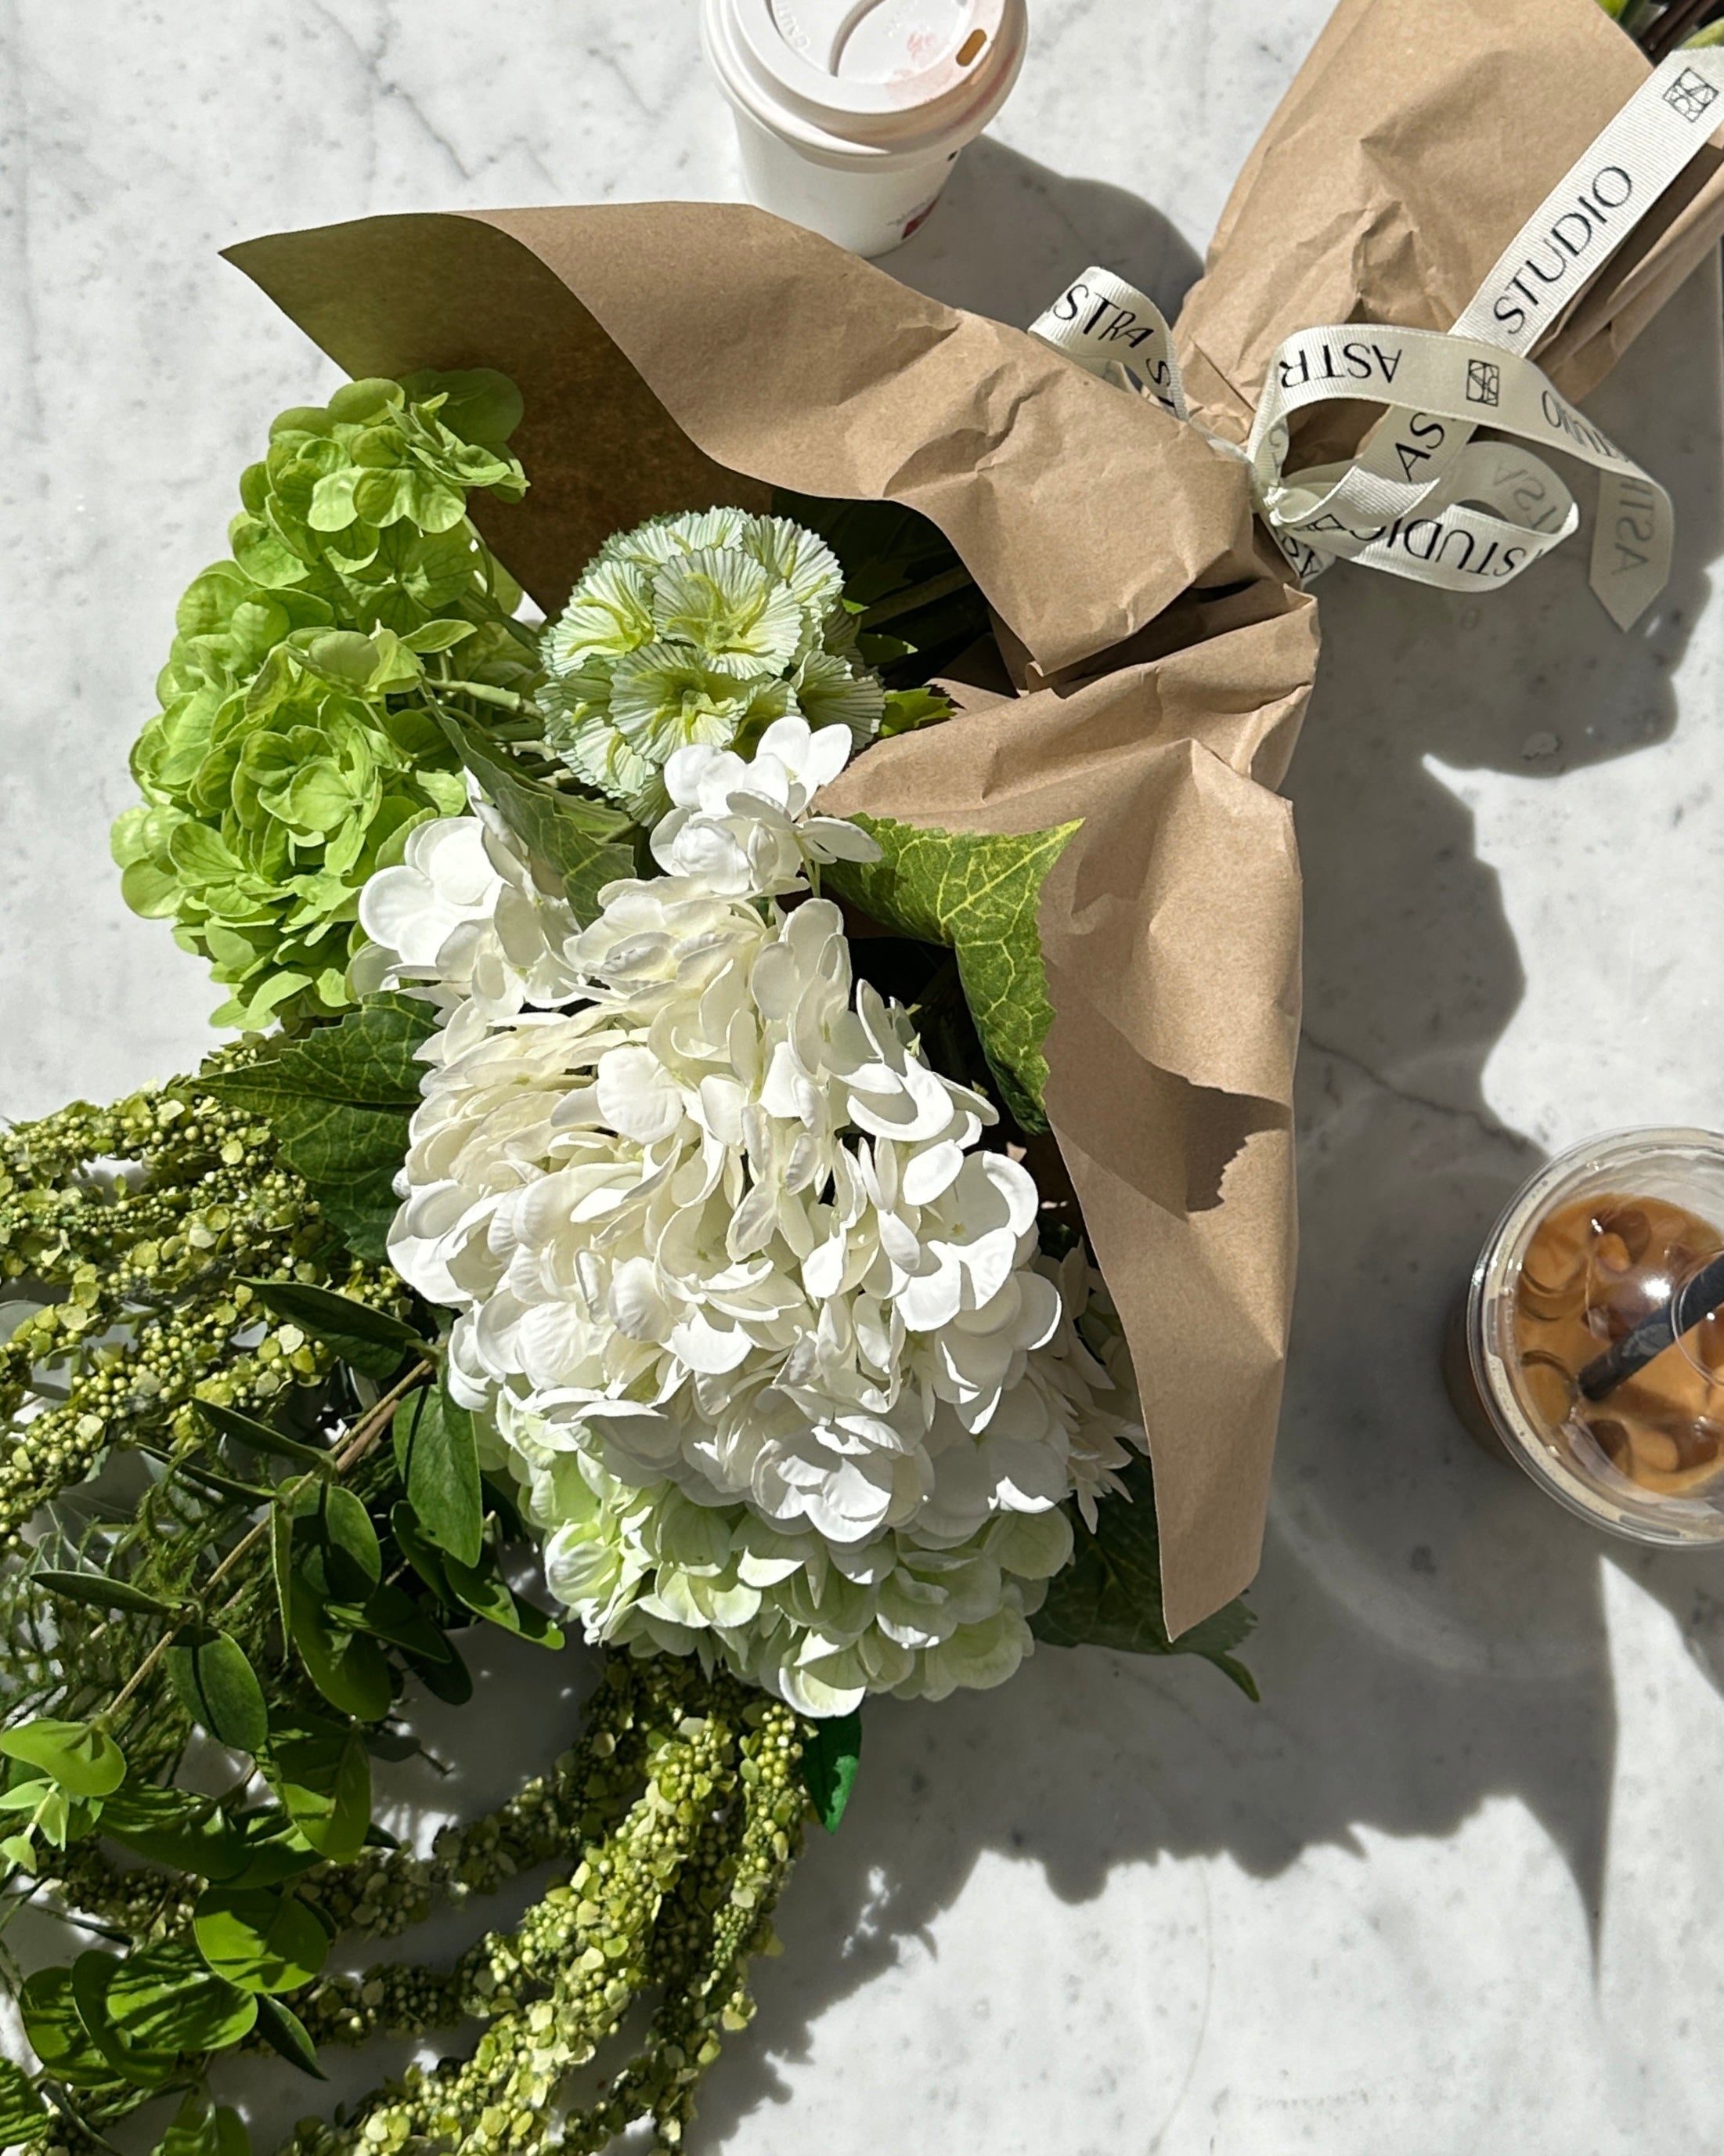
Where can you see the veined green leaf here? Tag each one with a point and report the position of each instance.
(57, 2033)
(367, 1061)
(829, 1761)
(181, 1832)
(339, 1104)
(1110, 1595)
(978, 894)
(163, 2003)
(572, 840)
(91, 1974)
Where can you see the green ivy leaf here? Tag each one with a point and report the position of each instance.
(83, 1760)
(282, 2030)
(24, 2119)
(438, 1455)
(100, 1593)
(829, 1760)
(259, 1939)
(339, 1103)
(979, 895)
(323, 1776)
(371, 1340)
(1110, 1594)
(485, 1592)
(219, 1689)
(573, 840)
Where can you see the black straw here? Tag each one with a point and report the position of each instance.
(1689, 1306)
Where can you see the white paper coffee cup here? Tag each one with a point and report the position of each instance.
(851, 113)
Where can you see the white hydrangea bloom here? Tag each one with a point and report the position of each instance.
(462, 922)
(820, 1624)
(714, 1230)
(700, 629)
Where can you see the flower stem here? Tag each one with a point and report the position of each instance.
(917, 596)
(364, 1436)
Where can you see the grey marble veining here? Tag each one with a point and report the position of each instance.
(1456, 1887)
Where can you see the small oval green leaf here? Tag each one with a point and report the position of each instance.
(101, 1593)
(438, 1455)
(373, 1342)
(84, 1760)
(227, 1422)
(323, 1776)
(57, 2033)
(282, 2030)
(488, 1594)
(218, 1688)
(24, 2119)
(259, 1939)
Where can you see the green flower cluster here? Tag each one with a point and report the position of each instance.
(703, 627)
(295, 748)
(135, 1288)
(674, 1892)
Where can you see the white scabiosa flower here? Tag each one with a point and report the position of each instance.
(743, 827)
(700, 630)
(716, 1232)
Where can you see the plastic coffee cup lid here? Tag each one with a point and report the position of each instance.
(877, 71)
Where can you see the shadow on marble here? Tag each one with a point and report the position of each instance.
(1009, 235)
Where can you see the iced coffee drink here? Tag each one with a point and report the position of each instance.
(1595, 1333)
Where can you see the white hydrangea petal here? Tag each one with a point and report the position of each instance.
(637, 1096)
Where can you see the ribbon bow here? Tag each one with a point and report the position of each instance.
(1423, 498)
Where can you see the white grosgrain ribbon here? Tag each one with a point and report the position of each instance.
(1423, 498)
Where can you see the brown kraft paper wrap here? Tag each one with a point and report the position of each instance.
(676, 356)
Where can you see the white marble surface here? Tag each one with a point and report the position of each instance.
(1457, 1886)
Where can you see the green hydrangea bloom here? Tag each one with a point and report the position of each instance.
(704, 627)
(293, 750)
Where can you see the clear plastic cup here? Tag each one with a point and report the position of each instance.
(1591, 1344)
(850, 114)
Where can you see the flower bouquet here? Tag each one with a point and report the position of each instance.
(758, 1129)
